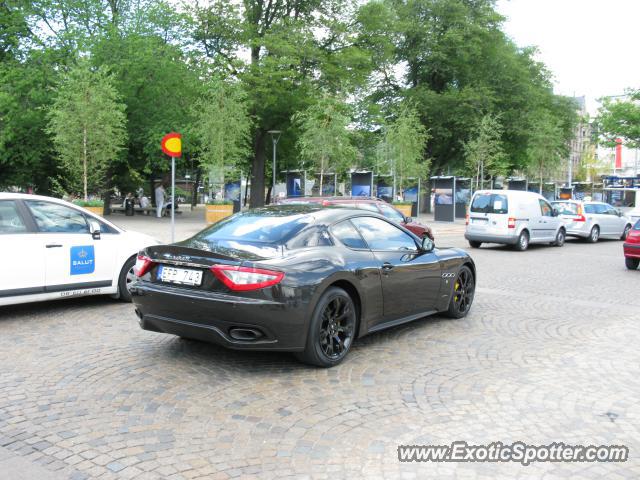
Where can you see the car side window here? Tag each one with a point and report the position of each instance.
(10, 219)
(381, 235)
(55, 218)
(589, 208)
(600, 209)
(391, 213)
(545, 208)
(610, 210)
(348, 235)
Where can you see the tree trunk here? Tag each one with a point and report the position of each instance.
(194, 192)
(84, 162)
(540, 181)
(321, 175)
(257, 170)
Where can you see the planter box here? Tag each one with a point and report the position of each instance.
(215, 213)
(405, 209)
(96, 210)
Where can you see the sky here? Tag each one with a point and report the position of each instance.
(592, 47)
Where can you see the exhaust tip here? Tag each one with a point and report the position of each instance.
(245, 334)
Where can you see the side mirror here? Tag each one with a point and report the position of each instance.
(619, 213)
(94, 229)
(427, 244)
(554, 212)
(408, 219)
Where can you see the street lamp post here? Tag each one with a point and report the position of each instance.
(275, 136)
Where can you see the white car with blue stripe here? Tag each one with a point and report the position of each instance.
(53, 249)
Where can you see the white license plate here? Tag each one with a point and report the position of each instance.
(182, 276)
(480, 221)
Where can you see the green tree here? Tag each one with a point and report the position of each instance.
(547, 145)
(483, 151)
(295, 47)
(87, 124)
(222, 126)
(325, 142)
(620, 118)
(406, 138)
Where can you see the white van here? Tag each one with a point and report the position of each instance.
(512, 217)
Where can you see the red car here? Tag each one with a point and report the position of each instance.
(367, 203)
(631, 247)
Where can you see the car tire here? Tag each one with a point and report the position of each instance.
(523, 241)
(474, 244)
(625, 234)
(125, 278)
(462, 293)
(632, 263)
(332, 327)
(594, 235)
(561, 236)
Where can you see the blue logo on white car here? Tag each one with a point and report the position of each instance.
(83, 260)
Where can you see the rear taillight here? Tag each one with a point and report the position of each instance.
(246, 278)
(581, 217)
(142, 266)
(511, 223)
(466, 219)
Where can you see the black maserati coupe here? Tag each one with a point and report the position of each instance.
(298, 278)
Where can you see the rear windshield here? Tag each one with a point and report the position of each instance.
(490, 203)
(566, 208)
(265, 227)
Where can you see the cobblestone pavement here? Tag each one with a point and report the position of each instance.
(550, 352)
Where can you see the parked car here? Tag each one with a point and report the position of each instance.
(512, 217)
(592, 220)
(631, 247)
(298, 278)
(53, 249)
(371, 204)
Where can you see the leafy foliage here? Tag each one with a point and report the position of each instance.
(324, 142)
(620, 118)
(221, 126)
(484, 154)
(87, 124)
(405, 142)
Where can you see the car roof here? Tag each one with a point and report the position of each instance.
(322, 215)
(331, 199)
(508, 192)
(29, 196)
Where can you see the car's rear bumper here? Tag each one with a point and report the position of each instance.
(631, 250)
(491, 238)
(217, 318)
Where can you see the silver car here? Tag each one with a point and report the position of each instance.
(592, 220)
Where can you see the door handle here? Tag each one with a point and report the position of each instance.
(387, 266)
(53, 245)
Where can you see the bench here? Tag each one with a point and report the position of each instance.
(146, 210)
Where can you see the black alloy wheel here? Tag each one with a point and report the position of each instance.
(464, 289)
(332, 329)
